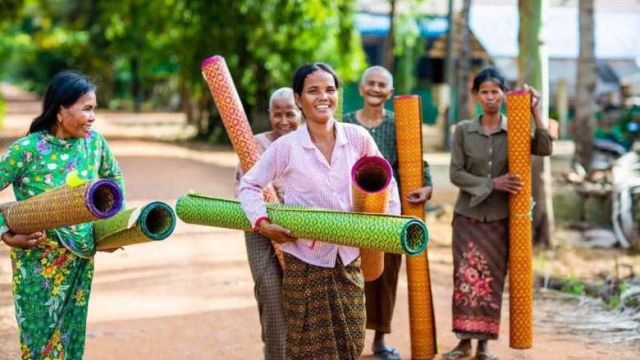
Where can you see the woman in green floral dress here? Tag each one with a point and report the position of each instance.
(53, 270)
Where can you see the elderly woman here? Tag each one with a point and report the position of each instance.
(323, 286)
(376, 87)
(53, 270)
(479, 168)
(285, 117)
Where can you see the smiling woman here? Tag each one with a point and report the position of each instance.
(53, 270)
(314, 165)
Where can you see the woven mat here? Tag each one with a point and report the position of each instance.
(395, 234)
(409, 139)
(152, 222)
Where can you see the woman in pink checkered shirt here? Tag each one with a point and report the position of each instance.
(323, 287)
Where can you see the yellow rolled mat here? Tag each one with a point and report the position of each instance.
(224, 93)
(371, 177)
(64, 206)
(520, 237)
(409, 139)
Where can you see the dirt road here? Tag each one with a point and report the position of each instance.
(190, 297)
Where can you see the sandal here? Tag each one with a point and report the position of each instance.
(481, 355)
(387, 353)
(457, 354)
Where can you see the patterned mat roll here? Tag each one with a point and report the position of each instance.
(520, 237)
(371, 176)
(395, 234)
(152, 222)
(409, 139)
(224, 93)
(64, 206)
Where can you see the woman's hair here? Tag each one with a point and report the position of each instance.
(489, 74)
(303, 71)
(285, 93)
(371, 69)
(64, 90)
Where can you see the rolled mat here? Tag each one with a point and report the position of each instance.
(64, 206)
(395, 234)
(152, 222)
(371, 176)
(520, 237)
(224, 93)
(409, 139)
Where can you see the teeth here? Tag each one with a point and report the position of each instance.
(322, 107)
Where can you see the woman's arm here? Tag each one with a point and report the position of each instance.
(109, 168)
(542, 142)
(12, 165)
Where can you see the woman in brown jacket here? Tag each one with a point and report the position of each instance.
(480, 225)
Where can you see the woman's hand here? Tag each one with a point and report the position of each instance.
(23, 241)
(510, 183)
(276, 232)
(420, 196)
(535, 98)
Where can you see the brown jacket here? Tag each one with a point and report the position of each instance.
(476, 158)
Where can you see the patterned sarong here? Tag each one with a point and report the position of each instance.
(325, 310)
(480, 253)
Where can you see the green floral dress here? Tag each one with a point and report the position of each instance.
(52, 282)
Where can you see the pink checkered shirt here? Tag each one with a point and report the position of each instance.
(309, 180)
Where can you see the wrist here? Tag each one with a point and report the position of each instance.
(259, 223)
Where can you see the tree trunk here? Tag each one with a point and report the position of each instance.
(464, 62)
(585, 86)
(451, 113)
(391, 38)
(530, 71)
(136, 85)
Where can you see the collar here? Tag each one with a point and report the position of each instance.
(341, 137)
(51, 139)
(476, 126)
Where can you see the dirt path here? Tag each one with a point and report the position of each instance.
(190, 297)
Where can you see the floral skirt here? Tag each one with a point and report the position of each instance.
(480, 254)
(51, 289)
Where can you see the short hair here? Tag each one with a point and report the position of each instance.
(281, 93)
(489, 74)
(303, 71)
(371, 69)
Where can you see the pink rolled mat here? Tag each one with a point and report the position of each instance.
(224, 93)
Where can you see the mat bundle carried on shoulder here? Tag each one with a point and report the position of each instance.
(64, 206)
(394, 234)
(152, 222)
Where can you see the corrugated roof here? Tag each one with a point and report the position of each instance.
(617, 34)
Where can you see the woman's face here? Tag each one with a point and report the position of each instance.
(490, 97)
(284, 116)
(75, 121)
(376, 88)
(319, 97)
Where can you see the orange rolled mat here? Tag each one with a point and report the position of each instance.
(371, 176)
(224, 93)
(409, 139)
(520, 237)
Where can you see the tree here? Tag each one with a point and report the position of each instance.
(585, 86)
(530, 71)
(464, 61)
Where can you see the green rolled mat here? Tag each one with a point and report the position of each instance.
(388, 233)
(152, 222)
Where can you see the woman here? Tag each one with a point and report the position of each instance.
(376, 87)
(285, 117)
(480, 225)
(53, 269)
(322, 284)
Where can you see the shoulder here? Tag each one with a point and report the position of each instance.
(26, 143)
(350, 117)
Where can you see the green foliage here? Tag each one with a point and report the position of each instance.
(3, 106)
(148, 51)
(573, 286)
